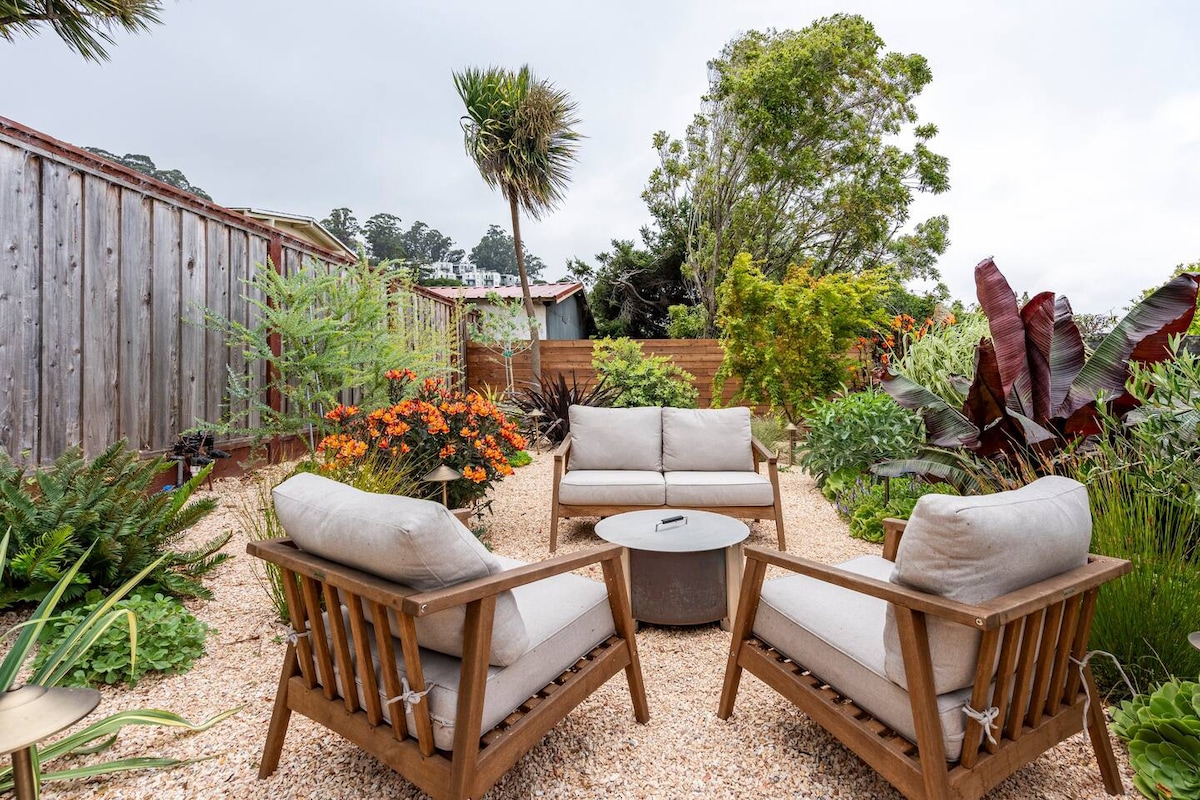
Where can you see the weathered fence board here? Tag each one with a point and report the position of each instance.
(192, 338)
(20, 299)
(216, 299)
(101, 306)
(133, 385)
(166, 246)
(62, 307)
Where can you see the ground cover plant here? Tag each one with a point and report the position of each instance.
(642, 380)
(1162, 729)
(102, 507)
(435, 425)
(169, 640)
(865, 502)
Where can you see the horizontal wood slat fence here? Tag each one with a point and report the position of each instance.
(701, 357)
(103, 275)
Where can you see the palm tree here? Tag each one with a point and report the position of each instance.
(85, 25)
(519, 131)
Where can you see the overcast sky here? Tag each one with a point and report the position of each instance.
(1072, 129)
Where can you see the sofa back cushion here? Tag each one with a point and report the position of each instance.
(707, 440)
(412, 542)
(975, 549)
(616, 438)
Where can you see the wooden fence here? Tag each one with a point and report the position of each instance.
(701, 357)
(104, 273)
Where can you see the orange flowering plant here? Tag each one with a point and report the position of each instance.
(435, 425)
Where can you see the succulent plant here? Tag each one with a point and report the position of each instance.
(1163, 733)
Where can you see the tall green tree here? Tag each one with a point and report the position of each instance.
(423, 246)
(520, 132)
(384, 236)
(497, 251)
(633, 287)
(146, 166)
(343, 225)
(796, 157)
(86, 26)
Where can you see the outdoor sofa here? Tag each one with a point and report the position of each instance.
(630, 459)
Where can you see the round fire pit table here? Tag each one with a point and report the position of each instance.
(682, 567)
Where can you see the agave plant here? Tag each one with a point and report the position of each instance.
(1163, 733)
(100, 735)
(553, 397)
(1035, 385)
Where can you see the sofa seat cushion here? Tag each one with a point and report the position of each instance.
(716, 439)
(975, 549)
(615, 438)
(565, 615)
(837, 634)
(612, 487)
(706, 489)
(412, 542)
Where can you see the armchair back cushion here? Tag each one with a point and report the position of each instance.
(706, 440)
(616, 438)
(975, 549)
(413, 542)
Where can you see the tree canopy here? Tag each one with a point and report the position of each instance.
(146, 166)
(497, 251)
(798, 157)
(384, 237)
(86, 26)
(344, 226)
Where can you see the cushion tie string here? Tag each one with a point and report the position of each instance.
(1087, 688)
(985, 718)
(408, 696)
(295, 636)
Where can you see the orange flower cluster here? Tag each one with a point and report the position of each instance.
(887, 346)
(437, 425)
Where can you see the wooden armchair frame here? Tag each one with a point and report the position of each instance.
(478, 758)
(774, 511)
(1037, 632)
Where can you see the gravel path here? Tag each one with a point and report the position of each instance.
(768, 749)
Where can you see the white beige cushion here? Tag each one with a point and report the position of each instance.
(566, 616)
(701, 489)
(612, 487)
(975, 549)
(616, 438)
(412, 542)
(838, 635)
(716, 439)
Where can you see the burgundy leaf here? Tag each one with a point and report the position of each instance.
(944, 426)
(1067, 352)
(985, 405)
(1169, 310)
(1038, 317)
(999, 303)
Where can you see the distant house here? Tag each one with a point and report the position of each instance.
(303, 227)
(561, 309)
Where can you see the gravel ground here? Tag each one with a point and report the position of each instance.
(767, 749)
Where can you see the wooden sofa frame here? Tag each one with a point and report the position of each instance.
(478, 758)
(1048, 694)
(562, 510)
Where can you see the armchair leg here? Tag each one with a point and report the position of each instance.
(281, 715)
(1097, 728)
(752, 580)
(618, 601)
(779, 528)
(553, 529)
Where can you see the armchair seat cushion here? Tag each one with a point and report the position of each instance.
(837, 634)
(565, 617)
(700, 489)
(612, 487)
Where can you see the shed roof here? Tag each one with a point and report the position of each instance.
(540, 292)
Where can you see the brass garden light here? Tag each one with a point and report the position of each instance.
(29, 714)
(535, 428)
(443, 475)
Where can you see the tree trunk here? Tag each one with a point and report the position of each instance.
(535, 350)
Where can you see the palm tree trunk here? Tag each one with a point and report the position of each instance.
(535, 350)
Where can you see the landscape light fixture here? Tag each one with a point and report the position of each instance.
(791, 429)
(29, 714)
(443, 475)
(535, 428)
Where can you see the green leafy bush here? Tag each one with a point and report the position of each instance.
(103, 507)
(686, 322)
(866, 504)
(1162, 730)
(169, 640)
(642, 380)
(851, 433)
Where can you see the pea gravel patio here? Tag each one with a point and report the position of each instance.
(768, 749)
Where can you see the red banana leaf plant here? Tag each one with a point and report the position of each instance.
(1035, 387)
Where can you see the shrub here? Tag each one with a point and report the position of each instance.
(686, 322)
(437, 425)
(849, 434)
(1162, 730)
(519, 459)
(866, 503)
(553, 397)
(169, 640)
(642, 380)
(102, 507)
